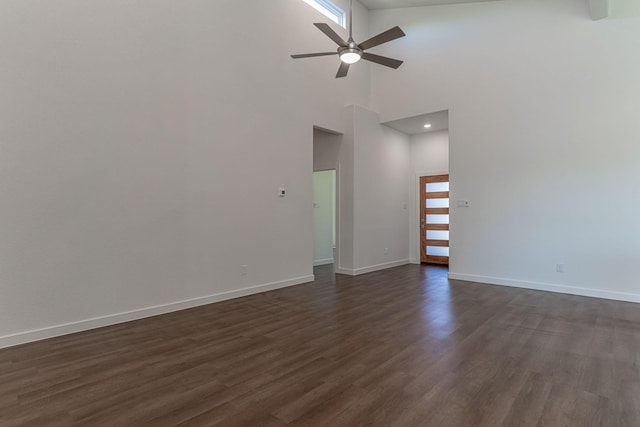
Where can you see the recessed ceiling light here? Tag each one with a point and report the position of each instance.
(427, 126)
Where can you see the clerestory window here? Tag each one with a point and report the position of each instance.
(330, 10)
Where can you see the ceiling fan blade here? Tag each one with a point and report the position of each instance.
(343, 70)
(331, 34)
(311, 55)
(382, 60)
(387, 36)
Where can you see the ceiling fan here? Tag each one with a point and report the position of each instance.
(351, 52)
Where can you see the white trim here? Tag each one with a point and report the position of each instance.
(414, 261)
(372, 268)
(538, 286)
(113, 319)
(323, 262)
(383, 266)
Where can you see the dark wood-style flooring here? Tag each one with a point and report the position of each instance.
(400, 347)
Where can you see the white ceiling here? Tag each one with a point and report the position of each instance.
(415, 125)
(392, 4)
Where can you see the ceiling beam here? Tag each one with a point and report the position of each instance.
(599, 9)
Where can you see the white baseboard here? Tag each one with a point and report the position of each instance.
(371, 268)
(99, 322)
(414, 261)
(538, 286)
(323, 262)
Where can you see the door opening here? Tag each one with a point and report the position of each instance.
(324, 217)
(326, 203)
(434, 219)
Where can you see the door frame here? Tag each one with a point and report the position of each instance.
(336, 195)
(415, 218)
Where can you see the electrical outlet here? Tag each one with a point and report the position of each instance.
(386, 251)
(243, 270)
(560, 268)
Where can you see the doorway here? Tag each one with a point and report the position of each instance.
(326, 203)
(324, 217)
(434, 219)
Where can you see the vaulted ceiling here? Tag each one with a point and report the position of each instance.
(389, 4)
(600, 9)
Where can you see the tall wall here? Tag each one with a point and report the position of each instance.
(544, 135)
(142, 148)
(381, 193)
(373, 194)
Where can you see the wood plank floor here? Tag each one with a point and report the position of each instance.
(400, 347)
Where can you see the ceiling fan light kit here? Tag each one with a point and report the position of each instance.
(350, 55)
(351, 52)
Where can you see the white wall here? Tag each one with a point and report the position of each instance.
(138, 150)
(141, 155)
(326, 150)
(430, 152)
(544, 135)
(429, 156)
(381, 193)
(345, 204)
(324, 196)
(624, 8)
